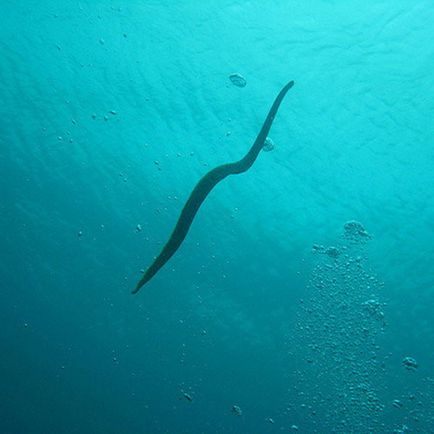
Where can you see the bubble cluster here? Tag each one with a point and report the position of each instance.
(336, 339)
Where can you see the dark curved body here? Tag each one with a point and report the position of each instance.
(204, 186)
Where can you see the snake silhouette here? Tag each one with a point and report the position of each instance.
(204, 186)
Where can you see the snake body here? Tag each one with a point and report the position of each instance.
(203, 188)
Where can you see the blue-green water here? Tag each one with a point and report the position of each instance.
(110, 112)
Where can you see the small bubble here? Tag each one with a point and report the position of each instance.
(268, 145)
(397, 403)
(236, 410)
(187, 396)
(410, 363)
(237, 80)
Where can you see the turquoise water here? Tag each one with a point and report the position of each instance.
(302, 297)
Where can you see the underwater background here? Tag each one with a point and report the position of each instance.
(302, 297)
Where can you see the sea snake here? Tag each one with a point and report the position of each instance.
(204, 186)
